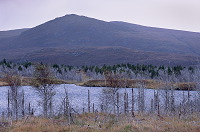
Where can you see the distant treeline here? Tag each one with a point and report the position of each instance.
(96, 72)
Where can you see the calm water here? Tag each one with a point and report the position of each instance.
(78, 96)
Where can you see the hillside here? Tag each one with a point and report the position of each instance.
(104, 55)
(11, 33)
(138, 44)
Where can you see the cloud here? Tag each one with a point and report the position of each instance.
(177, 14)
(28, 13)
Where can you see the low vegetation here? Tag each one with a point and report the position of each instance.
(151, 84)
(27, 81)
(100, 122)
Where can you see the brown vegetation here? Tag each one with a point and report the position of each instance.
(185, 86)
(26, 81)
(152, 84)
(86, 122)
(129, 83)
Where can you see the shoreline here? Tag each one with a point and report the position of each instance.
(129, 83)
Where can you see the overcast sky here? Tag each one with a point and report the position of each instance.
(172, 14)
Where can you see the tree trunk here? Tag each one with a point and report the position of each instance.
(89, 101)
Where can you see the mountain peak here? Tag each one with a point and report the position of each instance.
(72, 15)
(73, 18)
(68, 16)
(76, 31)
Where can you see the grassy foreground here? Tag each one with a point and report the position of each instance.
(106, 123)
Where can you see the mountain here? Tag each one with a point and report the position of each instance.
(104, 55)
(11, 33)
(58, 40)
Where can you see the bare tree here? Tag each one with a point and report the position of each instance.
(141, 96)
(132, 103)
(44, 85)
(88, 101)
(115, 82)
(14, 82)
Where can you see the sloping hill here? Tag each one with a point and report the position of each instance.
(171, 40)
(104, 55)
(11, 33)
(77, 32)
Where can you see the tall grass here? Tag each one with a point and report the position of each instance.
(87, 122)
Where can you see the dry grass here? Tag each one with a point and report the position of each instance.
(107, 123)
(185, 86)
(26, 81)
(152, 84)
(129, 83)
(3, 83)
